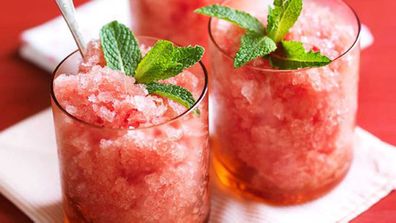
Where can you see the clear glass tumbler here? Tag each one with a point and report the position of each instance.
(152, 174)
(285, 136)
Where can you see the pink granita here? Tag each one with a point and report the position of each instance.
(102, 96)
(172, 19)
(286, 136)
(125, 155)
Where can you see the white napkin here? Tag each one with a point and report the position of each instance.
(29, 178)
(29, 167)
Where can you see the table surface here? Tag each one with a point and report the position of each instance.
(24, 87)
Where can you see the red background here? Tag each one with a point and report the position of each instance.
(24, 87)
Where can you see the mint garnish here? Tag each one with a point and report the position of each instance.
(173, 92)
(120, 48)
(259, 42)
(282, 17)
(164, 60)
(240, 18)
(253, 45)
(292, 55)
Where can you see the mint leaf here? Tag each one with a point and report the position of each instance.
(292, 55)
(120, 48)
(173, 92)
(157, 63)
(188, 56)
(165, 60)
(240, 18)
(282, 17)
(253, 45)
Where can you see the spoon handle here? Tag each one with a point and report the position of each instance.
(68, 12)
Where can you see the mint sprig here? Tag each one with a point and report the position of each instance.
(292, 55)
(120, 48)
(259, 41)
(240, 18)
(164, 60)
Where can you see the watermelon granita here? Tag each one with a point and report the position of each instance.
(126, 155)
(171, 19)
(286, 136)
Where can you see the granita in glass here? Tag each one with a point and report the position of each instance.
(171, 19)
(285, 135)
(131, 151)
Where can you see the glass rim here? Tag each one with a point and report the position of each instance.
(185, 113)
(353, 45)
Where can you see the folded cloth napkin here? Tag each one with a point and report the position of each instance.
(29, 168)
(29, 178)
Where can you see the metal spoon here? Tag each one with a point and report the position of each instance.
(69, 14)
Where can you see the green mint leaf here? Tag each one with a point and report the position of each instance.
(120, 48)
(282, 17)
(188, 56)
(253, 45)
(165, 60)
(173, 92)
(240, 18)
(292, 55)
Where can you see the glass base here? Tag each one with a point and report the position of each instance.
(242, 188)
